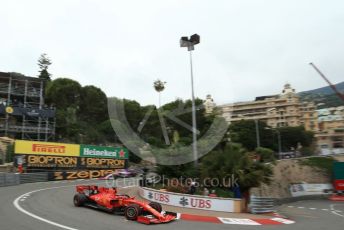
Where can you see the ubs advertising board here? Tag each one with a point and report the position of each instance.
(70, 161)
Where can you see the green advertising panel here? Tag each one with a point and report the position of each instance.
(103, 152)
(338, 169)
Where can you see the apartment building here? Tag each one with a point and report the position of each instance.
(280, 110)
(330, 137)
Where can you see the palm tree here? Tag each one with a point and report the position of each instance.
(159, 86)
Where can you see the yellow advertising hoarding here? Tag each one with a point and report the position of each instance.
(46, 148)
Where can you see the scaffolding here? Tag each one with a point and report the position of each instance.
(23, 113)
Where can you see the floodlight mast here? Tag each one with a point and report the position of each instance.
(190, 43)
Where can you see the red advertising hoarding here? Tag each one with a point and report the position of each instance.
(339, 185)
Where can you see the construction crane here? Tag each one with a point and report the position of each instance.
(339, 94)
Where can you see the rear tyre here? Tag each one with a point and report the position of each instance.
(156, 206)
(132, 211)
(79, 199)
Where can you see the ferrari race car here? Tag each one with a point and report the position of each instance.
(108, 200)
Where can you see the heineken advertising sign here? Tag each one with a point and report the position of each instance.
(103, 152)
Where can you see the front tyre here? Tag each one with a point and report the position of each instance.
(132, 211)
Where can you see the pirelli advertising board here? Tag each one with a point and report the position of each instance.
(46, 148)
(67, 161)
(72, 150)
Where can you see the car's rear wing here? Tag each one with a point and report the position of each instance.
(86, 188)
(91, 189)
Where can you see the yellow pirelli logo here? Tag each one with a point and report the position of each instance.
(46, 148)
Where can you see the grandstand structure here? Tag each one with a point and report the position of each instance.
(23, 113)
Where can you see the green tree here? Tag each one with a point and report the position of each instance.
(64, 94)
(93, 105)
(43, 63)
(244, 132)
(235, 160)
(292, 137)
(265, 154)
(10, 153)
(159, 86)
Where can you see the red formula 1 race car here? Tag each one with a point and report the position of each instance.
(108, 200)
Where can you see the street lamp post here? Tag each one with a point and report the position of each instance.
(190, 43)
(279, 142)
(257, 133)
(279, 139)
(256, 121)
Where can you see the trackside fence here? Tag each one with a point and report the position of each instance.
(9, 179)
(261, 204)
(33, 177)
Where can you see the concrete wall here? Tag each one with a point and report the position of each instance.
(193, 201)
(287, 172)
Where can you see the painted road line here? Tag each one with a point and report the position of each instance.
(312, 208)
(283, 221)
(291, 206)
(301, 207)
(324, 209)
(334, 211)
(16, 204)
(238, 221)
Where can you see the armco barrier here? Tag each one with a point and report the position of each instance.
(261, 204)
(33, 177)
(8, 179)
(192, 201)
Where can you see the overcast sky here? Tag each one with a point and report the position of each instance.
(247, 49)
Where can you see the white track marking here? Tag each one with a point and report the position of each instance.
(283, 221)
(334, 211)
(313, 208)
(26, 195)
(300, 207)
(16, 204)
(238, 221)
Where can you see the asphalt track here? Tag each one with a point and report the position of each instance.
(49, 206)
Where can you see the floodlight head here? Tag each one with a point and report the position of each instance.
(189, 43)
(195, 39)
(184, 42)
(184, 39)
